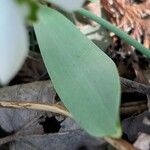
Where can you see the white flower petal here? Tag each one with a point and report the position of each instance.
(69, 5)
(13, 40)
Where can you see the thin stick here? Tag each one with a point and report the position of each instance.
(119, 144)
(129, 85)
(36, 106)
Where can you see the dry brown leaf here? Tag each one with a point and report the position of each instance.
(131, 16)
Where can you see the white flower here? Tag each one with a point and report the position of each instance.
(69, 5)
(13, 39)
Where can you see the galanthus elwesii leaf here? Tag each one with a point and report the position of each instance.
(68, 5)
(85, 78)
(13, 40)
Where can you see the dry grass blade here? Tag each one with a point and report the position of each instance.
(36, 106)
(119, 144)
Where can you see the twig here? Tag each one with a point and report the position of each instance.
(133, 86)
(135, 103)
(20, 136)
(36, 106)
(119, 144)
(133, 109)
(11, 138)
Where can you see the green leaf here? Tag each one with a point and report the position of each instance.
(85, 78)
(92, 0)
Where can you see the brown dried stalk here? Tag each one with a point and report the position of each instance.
(36, 106)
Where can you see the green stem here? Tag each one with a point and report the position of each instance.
(117, 31)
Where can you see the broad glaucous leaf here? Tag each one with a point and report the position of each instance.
(85, 78)
(13, 39)
(69, 5)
